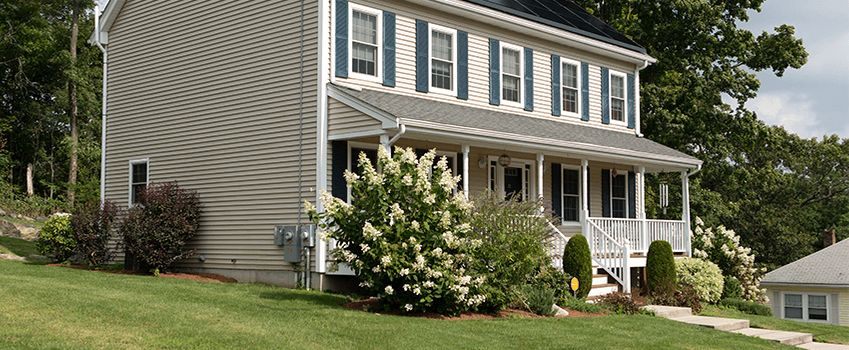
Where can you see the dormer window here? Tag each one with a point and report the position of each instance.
(443, 58)
(617, 97)
(511, 74)
(365, 38)
(570, 75)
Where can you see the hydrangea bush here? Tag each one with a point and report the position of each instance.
(722, 247)
(703, 276)
(56, 239)
(406, 233)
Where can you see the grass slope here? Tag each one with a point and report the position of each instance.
(54, 307)
(17, 246)
(826, 333)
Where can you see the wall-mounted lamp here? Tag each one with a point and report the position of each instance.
(504, 160)
(482, 162)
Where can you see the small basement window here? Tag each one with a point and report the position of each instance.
(139, 172)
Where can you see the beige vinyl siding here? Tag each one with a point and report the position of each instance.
(211, 98)
(344, 119)
(841, 293)
(479, 35)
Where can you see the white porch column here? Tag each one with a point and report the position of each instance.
(465, 149)
(641, 213)
(685, 208)
(540, 169)
(585, 209)
(384, 142)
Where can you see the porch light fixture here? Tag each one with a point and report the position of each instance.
(504, 160)
(482, 162)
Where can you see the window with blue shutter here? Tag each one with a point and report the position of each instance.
(422, 37)
(341, 38)
(585, 91)
(529, 79)
(462, 65)
(632, 106)
(555, 85)
(388, 49)
(605, 96)
(494, 72)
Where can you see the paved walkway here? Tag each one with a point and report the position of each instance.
(683, 314)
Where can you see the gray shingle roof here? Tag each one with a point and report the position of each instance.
(454, 114)
(829, 266)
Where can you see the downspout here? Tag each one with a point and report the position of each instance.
(97, 41)
(698, 169)
(321, 130)
(402, 130)
(637, 99)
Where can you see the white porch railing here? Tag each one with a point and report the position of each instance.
(639, 233)
(610, 254)
(556, 246)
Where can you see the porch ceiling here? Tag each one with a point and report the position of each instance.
(427, 116)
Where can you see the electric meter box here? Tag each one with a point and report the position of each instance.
(290, 238)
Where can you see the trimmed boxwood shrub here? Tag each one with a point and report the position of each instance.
(577, 262)
(660, 269)
(91, 224)
(157, 230)
(704, 276)
(732, 289)
(748, 307)
(56, 240)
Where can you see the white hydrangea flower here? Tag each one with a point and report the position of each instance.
(364, 247)
(385, 260)
(388, 290)
(408, 307)
(405, 271)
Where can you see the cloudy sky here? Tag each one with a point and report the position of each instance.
(814, 100)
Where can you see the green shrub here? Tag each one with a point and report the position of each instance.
(556, 280)
(56, 240)
(748, 307)
(157, 230)
(731, 288)
(91, 224)
(619, 303)
(703, 276)
(571, 303)
(660, 269)
(577, 262)
(513, 251)
(683, 297)
(538, 299)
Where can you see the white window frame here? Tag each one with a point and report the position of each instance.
(563, 169)
(805, 316)
(521, 50)
(528, 176)
(624, 76)
(627, 192)
(453, 32)
(130, 183)
(378, 66)
(564, 61)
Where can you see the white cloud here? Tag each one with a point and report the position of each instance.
(793, 112)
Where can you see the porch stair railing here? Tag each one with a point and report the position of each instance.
(610, 254)
(556, 246)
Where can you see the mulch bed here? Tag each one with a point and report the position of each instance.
(199, 277)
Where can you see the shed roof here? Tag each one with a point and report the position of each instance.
(829, 266)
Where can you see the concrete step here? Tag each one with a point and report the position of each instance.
(718, 323)
(668, 311)
(599, 279)
(783, 337)
(823, 346)
(603, 289)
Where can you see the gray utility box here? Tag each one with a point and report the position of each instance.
(293, 239)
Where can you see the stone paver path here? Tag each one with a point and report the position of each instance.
(683, 314)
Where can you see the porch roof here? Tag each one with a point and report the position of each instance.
(462, 120)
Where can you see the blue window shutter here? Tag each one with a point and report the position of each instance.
(494, 72)
(605, 96)
(339, 163)
(589, 186)
(632, 106)
(555, 86)
(556, 182)
(529, 79)
(632, 195)
(605, 194)
(462, 65)
(422, 56)
(388, 49)
(585, 91)
(342, 38)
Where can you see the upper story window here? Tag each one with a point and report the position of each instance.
(138, 179)
(619, 194)
(511, 73)
(570, 83)
(365, 34)
(617, 97)
(443, 58)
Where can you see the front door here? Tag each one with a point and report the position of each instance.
(513, 183)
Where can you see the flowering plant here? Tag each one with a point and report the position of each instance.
(703, 276)
(722, 247)
(406, 233)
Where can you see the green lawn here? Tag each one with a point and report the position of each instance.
(19, 247)
(825, 333)
(56, 307)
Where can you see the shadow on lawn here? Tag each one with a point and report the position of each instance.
(312, 298)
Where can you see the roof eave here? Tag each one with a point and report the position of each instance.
(804, 284)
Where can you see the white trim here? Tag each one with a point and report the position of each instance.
(445, 30)
(805, 307)
(356, 134)
(322, 126)
(527, 193)
(130, 164)
(564, 61)
(378, 65)
(579, 169)
(465, 150)
(387, 121)
(513, 47)
(611, 73)
(627, 193)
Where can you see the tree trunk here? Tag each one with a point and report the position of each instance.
(72, 111)
(30, 189)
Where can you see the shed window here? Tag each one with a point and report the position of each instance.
(793, 306)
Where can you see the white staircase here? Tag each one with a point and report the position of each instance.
(601, 284)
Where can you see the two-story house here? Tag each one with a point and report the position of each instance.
(259, 106)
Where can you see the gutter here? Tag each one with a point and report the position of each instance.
(698, 169)
(97, 42)
(401, 131)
